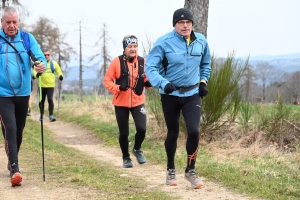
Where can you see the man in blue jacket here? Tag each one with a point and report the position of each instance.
(15, 85)
(179, 66)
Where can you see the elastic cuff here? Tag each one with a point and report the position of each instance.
(203, 81)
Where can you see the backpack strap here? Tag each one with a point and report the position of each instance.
(14, 48)
(141, 65)
(123, 65)
(25, 40)
(52, 66)
(124, 73)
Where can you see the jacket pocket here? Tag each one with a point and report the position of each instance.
(197, 49)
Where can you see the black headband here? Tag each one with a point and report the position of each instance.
(130, 40)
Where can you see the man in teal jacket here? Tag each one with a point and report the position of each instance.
(179, 65)
(15, 85)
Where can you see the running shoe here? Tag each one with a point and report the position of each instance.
(139, 156)
(193, 178)
(127, 162)
(52, 118)
(16, 178)
(171, 177)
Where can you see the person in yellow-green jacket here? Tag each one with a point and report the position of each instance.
(48, 84)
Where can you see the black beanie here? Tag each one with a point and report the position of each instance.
(181, 14)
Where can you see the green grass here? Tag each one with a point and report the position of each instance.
(270, 177)
(68, 167)
(264, 177)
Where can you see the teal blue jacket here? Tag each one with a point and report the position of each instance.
(187, 64)
(15, 76)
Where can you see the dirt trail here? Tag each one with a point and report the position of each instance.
(76, 137)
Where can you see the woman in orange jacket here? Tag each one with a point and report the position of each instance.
(125, 79)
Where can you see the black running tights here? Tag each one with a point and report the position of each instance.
(139, 116)
(191, 110)
(49, 93)
(13, 112)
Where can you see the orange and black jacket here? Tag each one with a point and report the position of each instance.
(123, 98)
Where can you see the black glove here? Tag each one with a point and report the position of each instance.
(61, 77)
(203, 91)
(169, 88)
(38, 74)
(122, 88)
(147, 84)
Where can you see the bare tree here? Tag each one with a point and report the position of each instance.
(264, 72)
(80, 66)
(147, 45)
(102, 52)
(199, 8)
(6, 3)
(248, 80)
(49, 37)
(23, 13)
(295, 83)
(292, 90)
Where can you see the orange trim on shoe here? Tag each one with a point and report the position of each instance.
(172, 184)
(200, 185)
(16, 179)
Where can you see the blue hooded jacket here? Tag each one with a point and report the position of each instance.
(15, 76)
(187, 64)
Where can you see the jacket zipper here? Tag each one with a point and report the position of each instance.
(131, 92)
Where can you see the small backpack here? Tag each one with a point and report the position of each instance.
(124, 79)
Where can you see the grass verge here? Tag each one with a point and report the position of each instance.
(70, 168)
(274, 176)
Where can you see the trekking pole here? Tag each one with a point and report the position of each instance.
(36, 103)
(59, 90)
(42, 129)
(41, 115)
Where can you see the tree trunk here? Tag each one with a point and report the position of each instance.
(80, 66)
(199, 8)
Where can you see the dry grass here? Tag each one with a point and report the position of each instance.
(234, 142)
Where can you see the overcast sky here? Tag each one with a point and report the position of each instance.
(248, 27)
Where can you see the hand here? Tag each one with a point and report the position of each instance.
(147, 84)
(122, 88)
(39, 67)
(61, 78)
(169, 88)
(203, 91)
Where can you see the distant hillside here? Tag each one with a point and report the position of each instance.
(288, 63)
(276, 57)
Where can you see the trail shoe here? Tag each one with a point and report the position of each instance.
(171, 177)
(193, 178)
(42, 117)
(16, 177)
(52, 118)
(28, 112)
(139, 156)
(127, 162)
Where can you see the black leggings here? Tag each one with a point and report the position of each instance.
(139, 116)
(191, 110)
(13, 112)
(49, 93)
